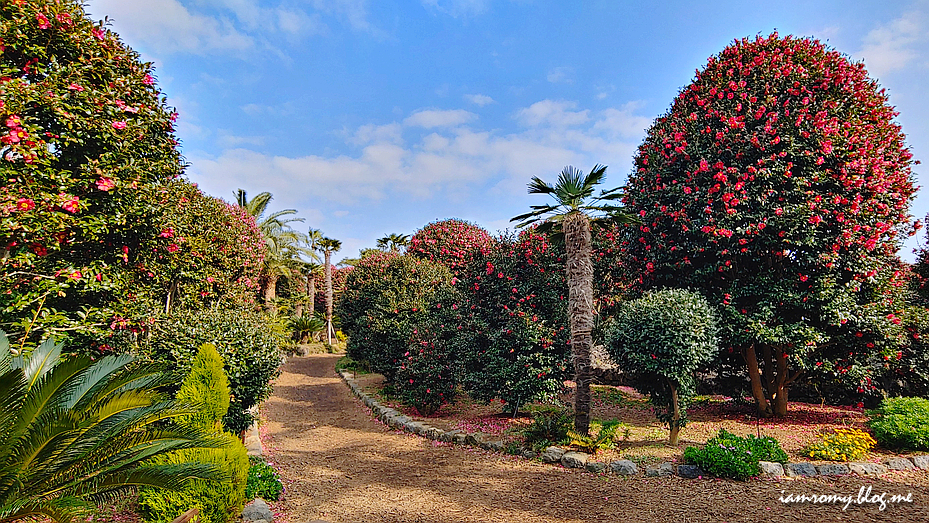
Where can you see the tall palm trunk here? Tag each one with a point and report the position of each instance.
(580, 275)
(270, 293)
(329, 331)
(311, 290)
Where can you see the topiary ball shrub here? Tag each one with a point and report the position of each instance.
(386, 297)
(731, 456)
(452, 242)
(206, 387)
(660, 340)
(901, 423)
(778, 185)
(249, 347)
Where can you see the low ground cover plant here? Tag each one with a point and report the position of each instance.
(602, 436)
(549, 426)
(735, 457)
(263, 481)
(842, 445)
(901, 423)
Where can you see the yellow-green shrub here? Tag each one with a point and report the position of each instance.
(842, 445)
(219, 501)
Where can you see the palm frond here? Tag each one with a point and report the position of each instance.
(537, 186)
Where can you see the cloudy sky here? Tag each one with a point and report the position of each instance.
(379, 116)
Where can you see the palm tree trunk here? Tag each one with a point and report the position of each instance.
(270, 293)
(312, 292)
(580, 275)
(328, 297)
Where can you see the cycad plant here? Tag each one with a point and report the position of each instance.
(571, 216)
(75, 431)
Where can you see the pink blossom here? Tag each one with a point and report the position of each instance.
(119, 125)
(70, 203)
(25, 204)
(105, 184)
(43, 21)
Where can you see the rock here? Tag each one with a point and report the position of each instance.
(574, 460)
(459, 439)
(529, 454)
(832, 469)
(495, 445)
(553, 455)
(253, 446)
(596, 467)
(921, 462)
(434, 433)
(800, 469)
(690, 471)
(863, 469)
(899, 464)
(660, 470)
(624, 467)
(448, 435)
(474, 438)
(257, 510)
(770, 469)
(415, 427)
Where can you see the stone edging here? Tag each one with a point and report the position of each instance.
(579, 460)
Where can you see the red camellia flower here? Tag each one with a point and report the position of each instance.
(25, 204)
(105, 184)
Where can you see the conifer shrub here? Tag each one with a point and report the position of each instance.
(206, 387)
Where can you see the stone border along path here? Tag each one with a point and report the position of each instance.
(578, 460)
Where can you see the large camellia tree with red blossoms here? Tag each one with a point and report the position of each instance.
(778, 185)
(452, 242)
(85, 140)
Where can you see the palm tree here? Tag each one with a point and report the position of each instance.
(76, 430)
(329, 246)
(393, 242)
(574, 212)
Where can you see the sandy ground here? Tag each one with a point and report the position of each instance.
(342, 466)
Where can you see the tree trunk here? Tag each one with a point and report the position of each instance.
(676, 415)
(754, 374)
(271, 293)
(580, 276)
(328, 298)
(312, 292)
(770, 382)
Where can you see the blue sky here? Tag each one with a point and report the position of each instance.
(376, 117)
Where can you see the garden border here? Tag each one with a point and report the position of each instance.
(579, 460)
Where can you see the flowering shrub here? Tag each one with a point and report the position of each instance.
(386, 297)
(250, 349)
(660, 339)
(731, 456)
(263, 481)
(901, 423)
(778, 186)
(517, 297)
(85, 136)
(452, 242)
(842, 445)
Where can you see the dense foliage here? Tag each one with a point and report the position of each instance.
(841, 445)
(250, 349)
(730, 456)
(218, 500)
(263, 481)
(902, 423)
(75, 430)
(386, 296)
(778, 186)
(85, 137)
(451, 242)
(660, 340)
(517, 298)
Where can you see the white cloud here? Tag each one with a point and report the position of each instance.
(167, 26)
(892, 46)
(560, 75)
(430, 118)
(479, 99)
(448, 161)
(555, 113)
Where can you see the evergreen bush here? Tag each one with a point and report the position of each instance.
(901, 423)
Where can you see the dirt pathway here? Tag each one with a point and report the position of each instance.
(342, 466)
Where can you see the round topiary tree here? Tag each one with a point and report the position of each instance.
(386, 297)
(451, 242)
(85, 137)
(778, 186)
(661, 339)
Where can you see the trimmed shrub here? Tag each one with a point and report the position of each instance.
(249, 348)
(842, 445)
(660, 340)
(218, 501)
(452, 242)
(263, 481)
(731, 456)
(901, 423)
(778, 186)
(386, 297)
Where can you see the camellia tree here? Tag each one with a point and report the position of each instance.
(85, 137)
(451, 242)
(778, 185)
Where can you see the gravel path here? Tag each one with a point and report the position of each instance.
(342, 466)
